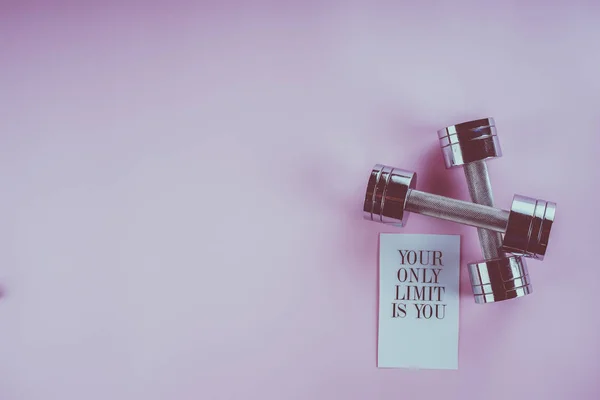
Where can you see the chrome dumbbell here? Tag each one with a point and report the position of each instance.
(469, 145)
(391, 195)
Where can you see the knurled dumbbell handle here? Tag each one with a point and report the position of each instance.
(480, 189)
(462, 212)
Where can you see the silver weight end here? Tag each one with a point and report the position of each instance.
(528, 228)
(469, 141)
(386, 195)
(499, 279)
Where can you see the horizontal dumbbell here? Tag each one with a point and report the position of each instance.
(391, 195)
(499, 276)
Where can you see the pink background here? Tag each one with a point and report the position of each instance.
(182, 187)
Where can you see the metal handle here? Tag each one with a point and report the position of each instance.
(480, 189)
(462, 212)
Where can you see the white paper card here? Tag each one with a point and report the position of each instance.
(418, 301)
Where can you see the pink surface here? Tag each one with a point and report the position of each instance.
(182, 188)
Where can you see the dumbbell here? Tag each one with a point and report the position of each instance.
(391, 195)
(470, 144)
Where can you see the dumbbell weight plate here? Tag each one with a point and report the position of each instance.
(528, 229)
(469, 141)
(386, 195)
(499, 279)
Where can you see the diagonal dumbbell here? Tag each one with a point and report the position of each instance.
(469, 145)
(391, 196)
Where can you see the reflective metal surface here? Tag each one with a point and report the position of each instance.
(480, 190)
(469, 141)
(459, 211)
(529, 225)
(499, 279)
(386, 195)
(390, 197)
